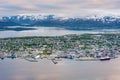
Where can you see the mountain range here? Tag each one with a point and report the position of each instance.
(74, 23)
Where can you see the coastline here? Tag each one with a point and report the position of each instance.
(48, 31)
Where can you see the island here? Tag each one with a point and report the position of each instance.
(84, 47)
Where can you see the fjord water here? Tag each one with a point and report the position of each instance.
(39, 31)
(20, 69)
(19, 31)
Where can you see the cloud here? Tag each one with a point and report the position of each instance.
(58, 6)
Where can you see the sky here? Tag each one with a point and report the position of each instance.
(64, 7)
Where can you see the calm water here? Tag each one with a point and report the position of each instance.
(19, 69)
(46, 31)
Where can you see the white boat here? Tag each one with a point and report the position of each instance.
(105, 58)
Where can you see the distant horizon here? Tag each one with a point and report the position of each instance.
(64, 15)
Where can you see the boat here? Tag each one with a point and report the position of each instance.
(12, 56)
(31, 59)
(105, 58)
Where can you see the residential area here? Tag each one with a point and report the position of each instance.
(76, 47)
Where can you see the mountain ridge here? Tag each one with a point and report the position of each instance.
(51, 20)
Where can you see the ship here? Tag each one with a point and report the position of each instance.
(105, 58)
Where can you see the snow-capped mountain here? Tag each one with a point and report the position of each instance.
(97, 21)
(31, 17)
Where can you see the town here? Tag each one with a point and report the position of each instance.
(77, 47)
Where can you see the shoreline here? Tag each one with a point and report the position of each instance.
(51, 32)
(89, 33)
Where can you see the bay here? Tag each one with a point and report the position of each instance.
(20, 69)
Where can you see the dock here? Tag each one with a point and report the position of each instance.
(86, 59)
